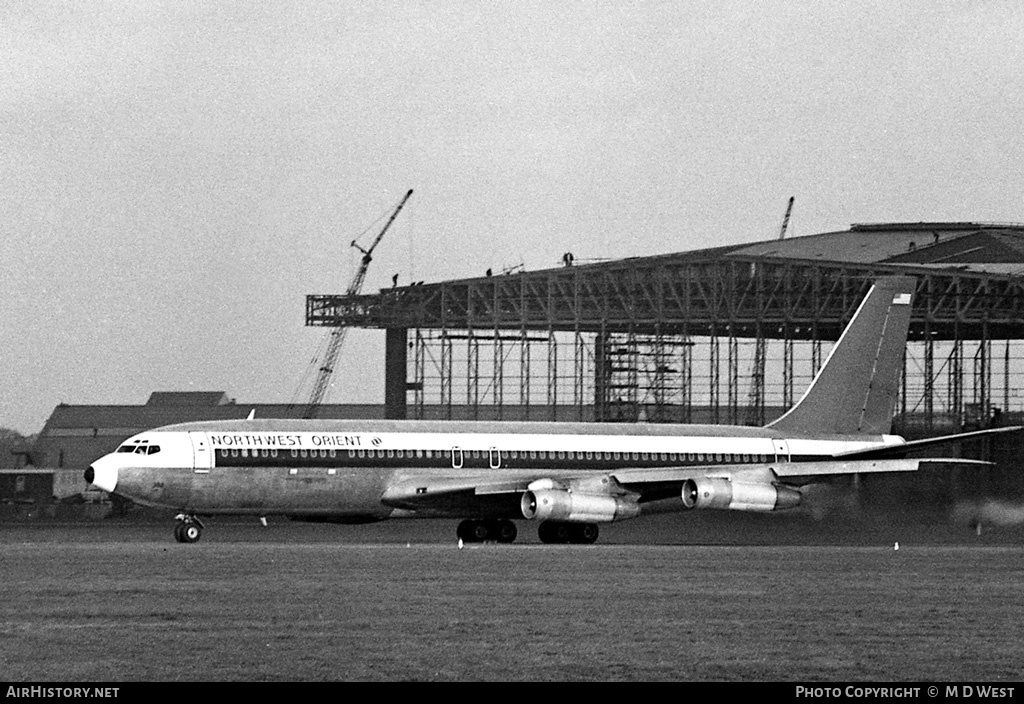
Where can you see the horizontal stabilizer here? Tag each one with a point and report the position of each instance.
(804, 472)
(902, 449)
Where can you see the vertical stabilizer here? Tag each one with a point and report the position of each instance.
(855, 390)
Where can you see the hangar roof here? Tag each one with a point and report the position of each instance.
(189, 398)
(969, 285)
(904, 243)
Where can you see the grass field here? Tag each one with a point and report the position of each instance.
(126, 603)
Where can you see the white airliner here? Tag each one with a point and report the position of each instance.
(568, 477)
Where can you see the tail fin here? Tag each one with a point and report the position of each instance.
(855, 390)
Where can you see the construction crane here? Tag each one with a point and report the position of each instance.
(785, 220)
(755, 400)
(337, 335)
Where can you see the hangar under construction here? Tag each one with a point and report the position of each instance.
(724, 335)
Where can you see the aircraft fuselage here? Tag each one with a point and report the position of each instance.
(342, 469)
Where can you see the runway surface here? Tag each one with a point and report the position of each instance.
(122, 602)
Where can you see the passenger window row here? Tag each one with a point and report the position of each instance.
(668, 457)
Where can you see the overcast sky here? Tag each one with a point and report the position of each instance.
(176, 177)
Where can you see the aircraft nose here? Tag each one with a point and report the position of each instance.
(102, 476)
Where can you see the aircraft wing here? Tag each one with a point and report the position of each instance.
(670, 479)
(498, 493)
(890, 451)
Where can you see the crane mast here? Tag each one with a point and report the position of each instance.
(785, 220)
(337, 335)
(755, 401)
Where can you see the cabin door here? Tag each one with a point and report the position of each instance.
(781, 450)
(202, 455)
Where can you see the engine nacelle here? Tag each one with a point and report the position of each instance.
(719, 492)
(570, 507)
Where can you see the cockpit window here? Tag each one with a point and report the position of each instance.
(139, 449)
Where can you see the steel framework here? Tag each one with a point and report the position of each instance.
(693, 337)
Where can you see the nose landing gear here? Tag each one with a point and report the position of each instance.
(188, 528)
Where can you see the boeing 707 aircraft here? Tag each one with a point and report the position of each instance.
(566, 477)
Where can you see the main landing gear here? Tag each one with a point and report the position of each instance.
(576, 533)
(188, 529)
(478, 531)
(504, 531)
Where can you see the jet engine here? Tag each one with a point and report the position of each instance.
(720, 492)
(572, 507)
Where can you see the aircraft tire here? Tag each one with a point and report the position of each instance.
(553, 533)
(563, 533)
(586, 534)
(506, 531)
(480, 531)
(178, 532)
(471, 531)
(190, 532)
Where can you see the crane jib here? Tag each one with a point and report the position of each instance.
(337, 336)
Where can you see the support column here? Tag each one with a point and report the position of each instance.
(601, 374)
(395, 359)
